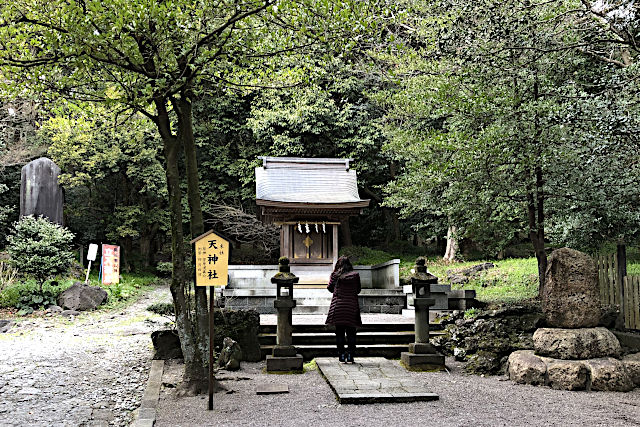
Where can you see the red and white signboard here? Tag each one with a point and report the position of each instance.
(110, 264)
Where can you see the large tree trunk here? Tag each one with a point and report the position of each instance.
(184, 113)
(193, 373)
(185, 132)
(452, 244)
(535, 207)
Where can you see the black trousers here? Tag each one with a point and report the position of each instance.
(351, 338)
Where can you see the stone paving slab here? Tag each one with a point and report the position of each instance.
(372, 380)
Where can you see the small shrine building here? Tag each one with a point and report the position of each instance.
(309, 199)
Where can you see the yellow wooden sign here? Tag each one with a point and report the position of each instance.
(212, 259)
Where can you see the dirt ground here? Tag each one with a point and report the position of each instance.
(465, 400)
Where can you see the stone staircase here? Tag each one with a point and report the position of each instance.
(314, 299)
(373, 340)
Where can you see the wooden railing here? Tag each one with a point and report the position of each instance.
(631, 302)
(614, 290)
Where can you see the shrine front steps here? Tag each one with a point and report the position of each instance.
(373, 340)
(314, 299)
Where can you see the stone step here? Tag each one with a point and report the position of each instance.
(308, 352)
(363, 338)
(367, 327)
(311, 309)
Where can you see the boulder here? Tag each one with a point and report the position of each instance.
(81, 297)
(632, 365)
(54, 309)
(526, 368)
(5, 325)
(566, 374)
(571, 296)
(69, 313)
(568, 344)
(230, 355)
(241, 326)
(608, 374)
(166, 343)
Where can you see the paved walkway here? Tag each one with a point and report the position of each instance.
(87, 371)
(372, 380)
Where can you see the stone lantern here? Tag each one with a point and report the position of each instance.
(422, 356)
(284, 356)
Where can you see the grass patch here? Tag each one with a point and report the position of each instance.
(130, 287)
(310, 366)
(512, 280)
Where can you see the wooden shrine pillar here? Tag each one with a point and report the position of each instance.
(335, 244)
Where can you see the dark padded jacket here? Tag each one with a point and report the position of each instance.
(344, 309)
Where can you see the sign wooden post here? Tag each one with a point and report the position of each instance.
(211, 269)
(91, 256)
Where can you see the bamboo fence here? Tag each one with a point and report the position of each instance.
(612, 289)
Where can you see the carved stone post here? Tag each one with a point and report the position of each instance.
(422, 356)
(284, 357)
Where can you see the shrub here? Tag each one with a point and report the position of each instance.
(39, 248)
(32, 299)
(8, 275)
(162, 308)
(164, 269)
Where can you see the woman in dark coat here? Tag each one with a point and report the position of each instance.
(344, 312)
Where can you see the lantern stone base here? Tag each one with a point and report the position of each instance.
(422, 362)
(285, 351)
(284, 364)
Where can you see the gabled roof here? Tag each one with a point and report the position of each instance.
(304, 180)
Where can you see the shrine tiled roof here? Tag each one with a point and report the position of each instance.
(305, 180)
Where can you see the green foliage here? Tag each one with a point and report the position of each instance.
(471, 313)
(34, 299)
(362, 255)
(27, 296)
(5, 215)
(115, 167)
(162, 308)
(506, 127)
(164, 269)
(8, 275)
(130, 287)
(26, 293)
(39, 248)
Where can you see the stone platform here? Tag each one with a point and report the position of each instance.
(372, 380)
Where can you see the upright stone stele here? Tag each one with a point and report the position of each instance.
(284, 357)
(422, 356)
(40, 192)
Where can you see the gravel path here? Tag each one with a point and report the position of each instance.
(464, 401)
(85, 371)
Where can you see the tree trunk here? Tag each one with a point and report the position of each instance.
(452, 244)
(193, 373)
(345, 230)
(393, 224)
(183, 109)
(535, 207)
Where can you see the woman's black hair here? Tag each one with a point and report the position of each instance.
(343, 265)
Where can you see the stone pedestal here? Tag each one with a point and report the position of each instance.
(573, 355)
(422, 356)
(284, 357)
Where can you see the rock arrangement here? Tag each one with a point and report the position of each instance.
(574, 354)
(460, 277)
